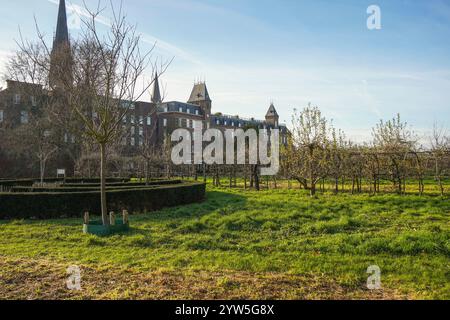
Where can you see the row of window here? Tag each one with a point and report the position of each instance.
(18, 98)
(148, 120)
(180, 110)
(237, 124)
(23, 116)
(132, 141)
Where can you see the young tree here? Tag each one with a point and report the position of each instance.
(98, 79)
(395, 141)
(440, 150)
(307, 153)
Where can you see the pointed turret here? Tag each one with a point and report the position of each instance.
(272, 116)
(156, 96)
(200, 96)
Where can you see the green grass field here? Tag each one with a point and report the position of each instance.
(273, 244)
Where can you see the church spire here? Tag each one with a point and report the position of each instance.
(156, 96)
(62, 32)
(61, 60)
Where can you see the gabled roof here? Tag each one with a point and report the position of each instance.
(156, 96)
(199, 93)
(272, 112)
(62, 32)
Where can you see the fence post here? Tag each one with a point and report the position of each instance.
(86, 217)
(112, 218)
(125, 216)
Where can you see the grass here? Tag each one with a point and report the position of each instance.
(238, 244)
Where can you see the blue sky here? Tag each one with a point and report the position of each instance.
(251, 52)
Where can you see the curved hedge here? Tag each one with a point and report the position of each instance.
(49, 205)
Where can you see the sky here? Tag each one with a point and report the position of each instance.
(291, 52)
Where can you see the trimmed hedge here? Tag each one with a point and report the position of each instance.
(31, 182)
(74, 204)
(74, 189)
(124, 184)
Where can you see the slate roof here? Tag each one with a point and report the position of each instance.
(62, 32)
(199, 93)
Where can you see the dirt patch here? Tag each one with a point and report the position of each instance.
(42, 279)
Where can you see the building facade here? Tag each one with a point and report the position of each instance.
(146, 122)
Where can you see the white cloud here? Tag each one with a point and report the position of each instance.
(147, 38)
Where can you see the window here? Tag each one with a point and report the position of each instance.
(133, 141)
(188, 110)
(141, 141)
(124, 119)
(66, 137)
(196, 112)
(24, 117)
(240, 125)
(180, 109)
(141, 120)
(1, 116)
(217, 122)
(165, 122)
(166, 109)
(73, 139)
(16, 98)
(225, 123)
(232, 124)
(133, 130)
(33, 101)
(180, 122)
(141, 131)
(149, 121)
(132, 119)
(191, 124)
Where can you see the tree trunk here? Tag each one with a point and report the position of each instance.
(336, 185)
(441, 186)
(147, 172)
(42, 171)
(312, 191)
(256, 177)
(103, 184)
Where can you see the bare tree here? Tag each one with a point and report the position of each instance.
(440, 147)
(98, 79)
(307, 153)
(395, 140)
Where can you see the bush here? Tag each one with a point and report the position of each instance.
(49, 205)
(7, 183)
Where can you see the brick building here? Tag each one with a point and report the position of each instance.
(156, 118)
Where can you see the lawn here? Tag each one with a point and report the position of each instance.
(272, 244)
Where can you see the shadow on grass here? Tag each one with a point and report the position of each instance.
(215, 200)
